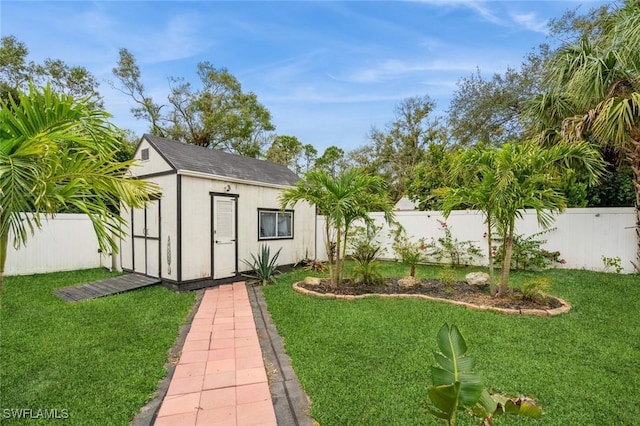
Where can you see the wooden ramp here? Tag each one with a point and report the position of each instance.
(105, 287)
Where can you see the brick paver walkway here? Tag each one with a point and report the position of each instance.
(220, 378)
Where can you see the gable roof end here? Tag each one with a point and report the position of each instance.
(193, 158)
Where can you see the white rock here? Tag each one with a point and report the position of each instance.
(477, 278)
(312, 281)
(408, 282)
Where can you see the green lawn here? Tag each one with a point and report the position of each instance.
(100, 360)
(366, 362)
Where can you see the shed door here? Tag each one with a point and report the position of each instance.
(146, 239)
(223, 247)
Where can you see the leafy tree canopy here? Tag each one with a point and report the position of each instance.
(16, 73)
(57, 152)
(217, 114)
(396, 151)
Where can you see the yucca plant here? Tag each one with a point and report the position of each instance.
(264, 266)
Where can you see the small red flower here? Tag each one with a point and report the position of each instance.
(484, 235)
(563, 261)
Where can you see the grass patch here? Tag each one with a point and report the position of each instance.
(99, 359)
(367, 361)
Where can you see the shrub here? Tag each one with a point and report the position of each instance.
(536, 289)
(410, 252)
(367, 273)
(365, 251)
(612, 262)
(452, 250)
(527, 253)
(448, 277)
(363, 243)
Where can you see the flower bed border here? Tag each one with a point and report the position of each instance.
(563, 309)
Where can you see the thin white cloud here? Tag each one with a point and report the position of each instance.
(480, 7)
(531, 22)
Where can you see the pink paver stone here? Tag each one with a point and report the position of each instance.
(220, 378)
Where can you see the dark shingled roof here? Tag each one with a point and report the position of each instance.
(187, 157)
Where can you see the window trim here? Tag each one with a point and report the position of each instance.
(277, 212)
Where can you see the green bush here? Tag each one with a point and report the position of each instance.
(451, 250)
(527, 253)
(410, 252)
(365, 250)
(536, 289)
(448, 277)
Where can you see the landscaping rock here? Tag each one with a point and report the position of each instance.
(480, 279)
(312, 281)
(408, 282)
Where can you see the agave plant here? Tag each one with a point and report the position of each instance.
(456, 387)
(264, 266)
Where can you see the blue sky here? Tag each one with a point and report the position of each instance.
(327, 71)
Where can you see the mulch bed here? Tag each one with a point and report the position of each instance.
(459, 291)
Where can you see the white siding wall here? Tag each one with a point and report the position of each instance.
(582, 236)
(155, 163)
(196, 225)
(168, 229)
(64, 243)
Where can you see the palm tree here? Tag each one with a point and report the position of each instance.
(343, 200)
(594, 92)
(472, 176)
(57, 153)
(505, 182)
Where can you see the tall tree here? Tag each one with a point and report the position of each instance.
(433, 172)
(309, 156)
(343, 199)
(489, 110)
(16, 73)
(58, 152)
(594, 91)
(219, 115)
(332, 161)
(399, 148)
(286, 150)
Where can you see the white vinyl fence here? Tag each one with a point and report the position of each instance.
(64, 243)
(582, 236)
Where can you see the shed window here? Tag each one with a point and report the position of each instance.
(144, 154)
(275, 224)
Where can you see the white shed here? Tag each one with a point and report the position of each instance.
(216, 209)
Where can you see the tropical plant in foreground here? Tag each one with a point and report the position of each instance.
(59, 153)
(456, 387)
(342, 200)
(263, 266)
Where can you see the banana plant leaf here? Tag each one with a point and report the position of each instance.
(455, 385)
